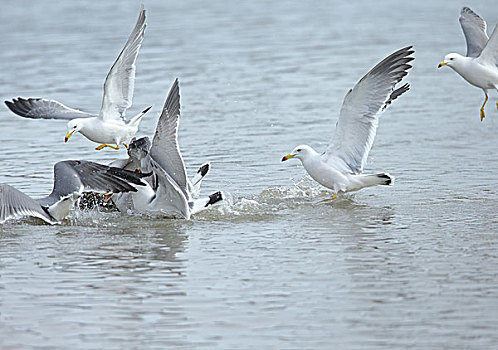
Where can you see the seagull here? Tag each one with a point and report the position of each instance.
(71, 179)
(138, 150)
(340, 167)
(110, 126)
(168, 191)
(480, 66)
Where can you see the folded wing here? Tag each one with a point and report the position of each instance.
(357, 125)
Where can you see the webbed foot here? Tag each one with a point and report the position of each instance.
(484, 104)
(104, 145)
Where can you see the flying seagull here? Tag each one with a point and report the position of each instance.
(340, 167)
(110, 126)
(169, 192)
(71, 179)
(480, 66)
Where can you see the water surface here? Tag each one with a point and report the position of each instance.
(278, 265)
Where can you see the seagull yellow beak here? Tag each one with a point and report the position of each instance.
(287, 157)
(442, 64)
(68, 135)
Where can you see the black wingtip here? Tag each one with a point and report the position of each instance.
(21, 106)
(203, 170)
(466, 9)
(214, 198)
(129, 176)
(146, 109)
(395, 94)
(389, 180)
(11, 105)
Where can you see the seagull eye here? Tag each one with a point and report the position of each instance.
(74, 127)
(299, 150)
(451, 59)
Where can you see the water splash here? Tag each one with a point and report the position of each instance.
(271, 202)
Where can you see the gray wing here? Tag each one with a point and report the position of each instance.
(474, 30)
(76, 176)
(37, 108)
(15, 204)
(357, 125)
(120, 81)
(165, 149)
(489, 54)
(120, 163)
(169, 198)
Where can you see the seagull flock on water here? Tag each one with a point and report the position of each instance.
(153, 179)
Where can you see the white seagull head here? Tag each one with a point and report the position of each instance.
(453, 60)
(301, 152)
(74, 125)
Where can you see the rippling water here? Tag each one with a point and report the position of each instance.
(278, 264)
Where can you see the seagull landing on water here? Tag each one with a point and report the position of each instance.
(340, 167)
(480, 66)
(110, 126)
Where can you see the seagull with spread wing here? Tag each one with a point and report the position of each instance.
(110, 126)
(138, 150)
(480, 66)
(340, 167)
(71, 179)
(169, 191)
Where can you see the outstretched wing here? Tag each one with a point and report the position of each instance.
(474, 30)
(14, 204)
(357, 125)
(38, 108)
(76, 176)
(165, 149)
(120, 81)
(489, 54)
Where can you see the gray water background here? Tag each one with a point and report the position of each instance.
(278, 265)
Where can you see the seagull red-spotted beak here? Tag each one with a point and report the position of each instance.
(287, 157)
(68, 135)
